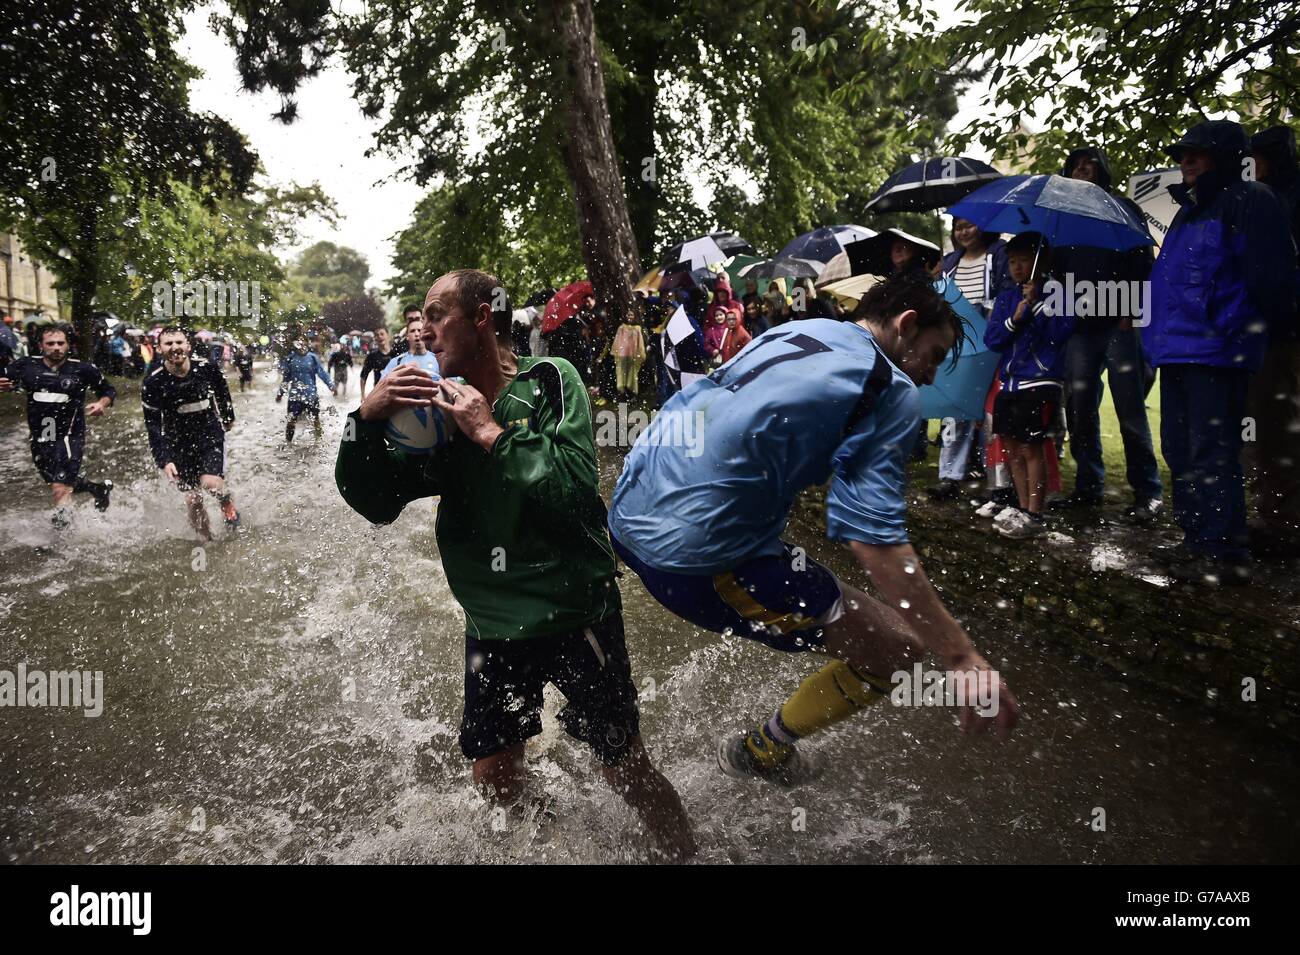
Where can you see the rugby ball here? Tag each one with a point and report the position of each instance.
(419, 430)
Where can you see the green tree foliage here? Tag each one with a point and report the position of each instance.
(763, 99)
(324, 272)
(96, 120)
(186, 237)
(354, 312)
(1129, 75)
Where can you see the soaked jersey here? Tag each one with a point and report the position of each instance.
(299, 373)
(710, 483)
(186, 416)
(520, 528)
(374, 364)
(57, 396)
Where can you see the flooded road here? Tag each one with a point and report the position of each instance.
(293, 695)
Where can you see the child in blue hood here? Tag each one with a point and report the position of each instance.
(1031, 335)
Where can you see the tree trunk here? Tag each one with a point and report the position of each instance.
(86, 280)
(608, 245)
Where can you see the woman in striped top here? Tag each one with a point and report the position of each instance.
(977, 265)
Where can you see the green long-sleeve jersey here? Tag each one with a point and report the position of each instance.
(521, 529)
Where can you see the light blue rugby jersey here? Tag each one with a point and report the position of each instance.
(710, 483)
(426, 362)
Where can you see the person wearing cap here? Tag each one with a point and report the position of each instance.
(1274, 396)
(1110, 343)
(1225, 276)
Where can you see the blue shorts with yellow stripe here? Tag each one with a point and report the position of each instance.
(783, 601)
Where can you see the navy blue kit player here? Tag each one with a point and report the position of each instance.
(56, 388)
(187, 412)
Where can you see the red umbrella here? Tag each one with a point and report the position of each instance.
(564, 305)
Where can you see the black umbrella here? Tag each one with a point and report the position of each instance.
(682, 275)
(931, 184)
(871, 256)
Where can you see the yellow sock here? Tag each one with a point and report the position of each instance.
(833, 693)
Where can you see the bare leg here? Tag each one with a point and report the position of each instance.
(501, 777)
(871, 636)
(1035, 476)
(198, 514)
(62, 493)
(653, 798)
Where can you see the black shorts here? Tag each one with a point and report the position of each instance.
(297, 408)
(59, 461)
(194, 462)
(1028, 415)
(590, 666)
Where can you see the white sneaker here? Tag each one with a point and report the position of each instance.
(988, 509)
(1009, 515)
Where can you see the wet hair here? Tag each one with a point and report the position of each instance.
(912, 289)
(412, 307)
(412, 320)
(474, 287)
(56, 327)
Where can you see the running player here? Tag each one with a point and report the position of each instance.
(244, 362)
(700, 519)
(56, 387)
(377, 357)
(339, 363)
(187, 412)
(417, 353)
(298, 373)
(521, 533)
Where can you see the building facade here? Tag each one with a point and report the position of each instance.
(26, 286)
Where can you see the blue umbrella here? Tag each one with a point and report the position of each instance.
(1064, 211)
(959, 391)
(931, 184)
(822, 245)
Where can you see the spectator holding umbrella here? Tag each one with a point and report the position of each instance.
(1273, 401)
(1031, 334)
(977, 265)
(1225, 275)
(1107, 342)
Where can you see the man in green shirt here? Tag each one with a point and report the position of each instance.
(521, 531)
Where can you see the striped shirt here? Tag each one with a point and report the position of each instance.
(969, 277)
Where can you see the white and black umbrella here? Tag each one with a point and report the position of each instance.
(931, 184)
(706, 250)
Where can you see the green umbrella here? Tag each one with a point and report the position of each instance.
(733, 266)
